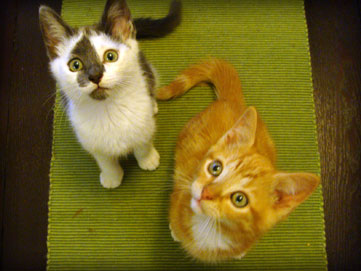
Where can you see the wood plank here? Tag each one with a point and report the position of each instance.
(335, 43)
(29, 137)
(8, 19)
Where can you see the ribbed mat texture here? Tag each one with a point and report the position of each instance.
(92, 228)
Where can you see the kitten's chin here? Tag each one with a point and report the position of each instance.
(99, 94)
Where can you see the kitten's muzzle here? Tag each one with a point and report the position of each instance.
(196, 206)
(206, 194)
(95, 73)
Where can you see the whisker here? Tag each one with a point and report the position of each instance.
(51, 96)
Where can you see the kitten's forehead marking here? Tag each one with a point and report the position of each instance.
(228, 167)
(245, 181)
(87, 53)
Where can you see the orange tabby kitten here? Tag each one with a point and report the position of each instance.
(227, 191)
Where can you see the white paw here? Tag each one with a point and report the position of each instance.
(111, 180)
(151, 161)
(173, 235)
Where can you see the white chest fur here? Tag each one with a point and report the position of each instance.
(207, 233)
(116, 125)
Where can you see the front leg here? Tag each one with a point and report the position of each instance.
(147, 156)
(111, 174)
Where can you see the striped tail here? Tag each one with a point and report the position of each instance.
(217, 72)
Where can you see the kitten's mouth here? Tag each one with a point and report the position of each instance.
(99, 94)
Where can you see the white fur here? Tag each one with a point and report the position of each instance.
(195, 205)
(118, 125)
(172, 233)
(197, 189)
(207, 234)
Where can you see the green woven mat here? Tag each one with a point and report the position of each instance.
(91, 228)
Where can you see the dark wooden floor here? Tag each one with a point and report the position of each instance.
(26, 120)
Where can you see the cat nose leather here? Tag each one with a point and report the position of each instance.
(206, 195)
(95, 74)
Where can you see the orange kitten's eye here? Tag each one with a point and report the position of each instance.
(239, 199)
(215, 168)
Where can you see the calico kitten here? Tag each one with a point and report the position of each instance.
(108, 84)
(227, 192)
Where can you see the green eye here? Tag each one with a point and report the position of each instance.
(215, 168)
(239, 199)
(110, 56)
(75, 65)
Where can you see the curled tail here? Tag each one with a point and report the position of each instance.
(156, 28)
(217, 72)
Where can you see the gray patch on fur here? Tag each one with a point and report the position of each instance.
(93, 67)
(147, 73)
(99, 94)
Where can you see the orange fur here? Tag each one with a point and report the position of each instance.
(202, 217)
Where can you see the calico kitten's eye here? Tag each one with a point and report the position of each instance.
(239, 199)
(75, 65)
(110, 56)
(215, 168)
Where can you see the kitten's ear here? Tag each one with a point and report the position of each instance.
(244, 130)
(53, 29)
(291, 189)
(116, 20)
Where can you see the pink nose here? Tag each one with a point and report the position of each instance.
(206, 194)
